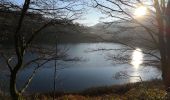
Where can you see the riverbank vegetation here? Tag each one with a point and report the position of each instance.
(148, 90)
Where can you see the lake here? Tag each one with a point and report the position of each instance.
(93, 71)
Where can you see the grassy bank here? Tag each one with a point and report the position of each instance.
(150, 90)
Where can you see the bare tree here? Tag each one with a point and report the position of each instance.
(156, 23)
(54, 12)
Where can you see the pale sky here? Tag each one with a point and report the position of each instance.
(91, 17)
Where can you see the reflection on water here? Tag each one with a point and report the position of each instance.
(135, 76)
(77, 76)
(137, 58)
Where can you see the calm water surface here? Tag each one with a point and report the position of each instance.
(95, 70)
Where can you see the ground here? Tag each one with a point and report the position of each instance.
(151, 90)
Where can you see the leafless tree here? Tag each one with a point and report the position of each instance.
(54, 12)
(156, 23)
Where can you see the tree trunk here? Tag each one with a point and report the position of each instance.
(13, 90)
(166, 77)
(166, 70)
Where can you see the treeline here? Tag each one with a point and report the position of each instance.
(63, 31)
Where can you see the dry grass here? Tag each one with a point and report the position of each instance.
(152, 90)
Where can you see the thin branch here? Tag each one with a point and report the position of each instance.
(7, 60)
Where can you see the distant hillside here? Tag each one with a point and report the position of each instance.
(68, 32)
(126, 32)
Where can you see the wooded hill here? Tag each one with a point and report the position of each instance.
(66, 31)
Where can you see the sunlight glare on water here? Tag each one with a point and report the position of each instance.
(137, 58)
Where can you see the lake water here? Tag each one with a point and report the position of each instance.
(93, 71)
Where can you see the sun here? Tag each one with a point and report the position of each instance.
(140, 11)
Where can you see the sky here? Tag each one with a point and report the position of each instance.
(89, 18)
